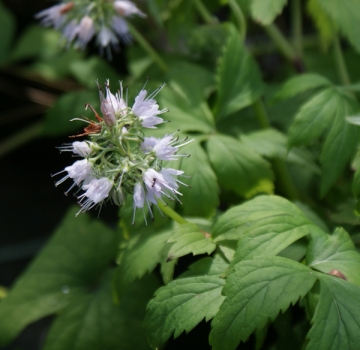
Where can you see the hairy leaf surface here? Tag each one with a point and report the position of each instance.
(238, 78)
(333, 254)
(95, 322)
(71, 263)
(186, 301)
(238, 168)
(141, 255)
(188, 239)
(255, 292)
(202, 198)
(336, 323)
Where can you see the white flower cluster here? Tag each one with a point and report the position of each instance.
(81, 20)
(118, 160)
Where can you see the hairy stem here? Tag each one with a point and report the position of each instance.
(147, 47)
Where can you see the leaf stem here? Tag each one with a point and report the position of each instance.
(261, 114)
(204, 12)
(297, 26)
(29, 133)
(279, 166)
(147, 47)
(285, 47)
(340, 62)
(240, 18)
(171, 213)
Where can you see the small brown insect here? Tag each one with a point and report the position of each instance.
(92, 128)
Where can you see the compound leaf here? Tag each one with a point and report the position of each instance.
(255, 292)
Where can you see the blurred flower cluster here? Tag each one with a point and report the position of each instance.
(118, 159)
(81, 20)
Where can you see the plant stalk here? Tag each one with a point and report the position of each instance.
(297, 27)
(172, 214)
(240, 18)
(285, 47)
(147, 47)
(204, 12)
(340, 62)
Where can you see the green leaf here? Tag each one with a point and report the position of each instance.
(188, 239)
(346, 15)
(238, 78)
(301, 83)
(314, 117)
(356, 183)
(272, 143)
(95, 322)
(335, 253)
(35, 42)
(266, 12)
(141, 255)
(340, 144)
(202, 198)
(256, 292)
(263, 215)
(186, 301)
(336, 323)
(69, 106)
(267, 227)
(238, 168)
(328, 109)
(186, 112)
(87, 72)
(70, 264)
(324, 24)
(7, 30)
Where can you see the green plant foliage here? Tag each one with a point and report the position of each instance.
(7, 30)
(186, 301)
(336, 323)
(335, 254)
(302, 83)
(346, 16)
(238, 78)
(60, 275)
(266, 12)
(142, 253)
(88, 72)
(323, 22)
(327, 109)
(67, 107)
(95, 322)
(238, 168)
(255, 292)
(272, 144)
(265, 225)
(204, 187)
(270, 161)
(188, 239)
